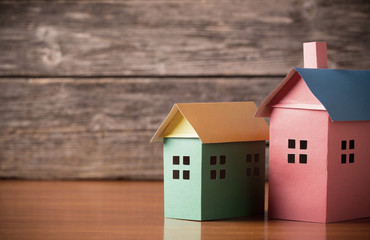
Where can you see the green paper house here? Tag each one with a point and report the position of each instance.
(214, 160)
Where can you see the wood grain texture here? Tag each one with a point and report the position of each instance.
(65, 128)
(94, 210)
(81, 91)
(187, 38)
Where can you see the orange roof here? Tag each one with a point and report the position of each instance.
(220, 122)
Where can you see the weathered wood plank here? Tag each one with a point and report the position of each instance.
(99, 127)
(233, 37)
(75, 105)
(80, 155)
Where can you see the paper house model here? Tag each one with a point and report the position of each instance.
(319, 142)
(214, 156)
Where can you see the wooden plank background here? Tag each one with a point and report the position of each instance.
(85, 84)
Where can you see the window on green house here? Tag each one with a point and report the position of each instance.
(186, 160)
(186, 174)
(256, 157)
(222, 174)
(213, 174)
(175, 174)
(176, 160)
(222, 159)
(213, 160)
(252, 164)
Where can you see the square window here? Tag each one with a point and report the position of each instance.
(256, 157)
(186, 160)
(222, 159)
(344, 158)
(249, 158)
(344, 144)
(303, 158)
(175, 174)
(186, 174)
(291, 143)
(213, 174)
(213, 160)
(256, 172)
(249, 172)
(303, 144)
(351, 158)
(222, 174)
(291, 158)
(176, 160)
(351, 144)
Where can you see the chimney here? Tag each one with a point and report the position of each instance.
(314, 55)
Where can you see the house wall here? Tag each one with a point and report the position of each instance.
(296, 94)
(237, 194)
(297, 191)
(348, 183)
(182, 197)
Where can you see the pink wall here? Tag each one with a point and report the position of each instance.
(295, 92)
(348, 184)
(298, 191)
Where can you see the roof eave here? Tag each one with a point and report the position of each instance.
(157, 136)
(264, 110)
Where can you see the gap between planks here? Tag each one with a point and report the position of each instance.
(141, 76)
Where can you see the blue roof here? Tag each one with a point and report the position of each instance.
(344, 93)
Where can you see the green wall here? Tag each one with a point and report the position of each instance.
(237, 194)
(182, 198)
(203, 198)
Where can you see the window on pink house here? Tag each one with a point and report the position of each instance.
(301, 153)
(347, 153)
(303, 144)
(351, 144)
(291, 158)
(351, 158)
(303, 158)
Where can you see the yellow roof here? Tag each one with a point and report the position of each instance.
(217, 122)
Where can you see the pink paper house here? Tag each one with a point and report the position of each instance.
(319, 142)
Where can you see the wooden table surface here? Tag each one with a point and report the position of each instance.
(134, 210)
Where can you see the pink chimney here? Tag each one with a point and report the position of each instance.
(315, 55)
